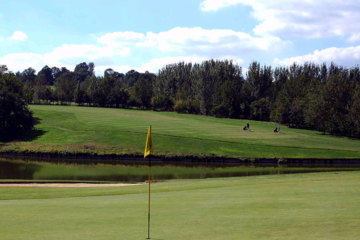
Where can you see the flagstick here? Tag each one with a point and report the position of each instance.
(149, 198)
(147, 153)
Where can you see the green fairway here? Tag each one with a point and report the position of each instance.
(107, 131)
(297, 206)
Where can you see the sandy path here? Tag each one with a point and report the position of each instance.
(75, 185)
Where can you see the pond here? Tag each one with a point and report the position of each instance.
(25, 170)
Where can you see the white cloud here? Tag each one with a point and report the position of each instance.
(354, 37)
(214, 5)
(158, 63)
(348, 56)
(89, 52)
(66, 55)
(202, 40)
(121, 38)
(192, 44)
(310, 19)
(209, 42)
(20, 61)
(18, 36)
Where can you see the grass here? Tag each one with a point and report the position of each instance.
(296, 206)
(71, 129)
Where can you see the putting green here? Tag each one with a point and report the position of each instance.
(297, 206)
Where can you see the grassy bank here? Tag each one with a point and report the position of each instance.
(297, 206)
(64, 129)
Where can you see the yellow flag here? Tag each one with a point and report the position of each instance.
(148, 145)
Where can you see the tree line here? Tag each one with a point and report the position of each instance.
(310, 96)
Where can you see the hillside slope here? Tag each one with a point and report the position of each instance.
(74, 129)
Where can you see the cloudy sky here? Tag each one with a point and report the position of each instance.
(148, 34)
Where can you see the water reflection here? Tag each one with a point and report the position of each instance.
(17, 170)
(14, 169)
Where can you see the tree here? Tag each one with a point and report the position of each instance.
(229, 100)
(355, 111)
(41, 89)
(314, 109)
(131, 78)
(162, 103)
(28, 91)
(65, 87)
(79, 94)
(55, 73)
(3, 69)
(281, 75)
(142, 92)
(47, 74)
(97, 92)
(260, 109)
(111, 73)
(15, 117)
(259, 80)
(336, 95)
(116, 94)
(83, 70)
(28, 75)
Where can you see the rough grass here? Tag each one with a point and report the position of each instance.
(107, 131)
(297, 206)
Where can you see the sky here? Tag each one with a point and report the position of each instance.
(145, 35)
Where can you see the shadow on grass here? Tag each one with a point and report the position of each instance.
(25, 136)
(33, 133)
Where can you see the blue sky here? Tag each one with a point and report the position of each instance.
(148, 34)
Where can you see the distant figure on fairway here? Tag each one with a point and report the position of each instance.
(246, 127)
(277, 129)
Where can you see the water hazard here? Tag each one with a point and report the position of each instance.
(17, 170)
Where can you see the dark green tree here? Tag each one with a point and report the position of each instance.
(336, 95)
(65, 87)
(28, 91)
(130, 78)
(355, 111)
(15, 117)
(80, 94)
(142, 92)
(47, 74)
(41, 89)
(84, 70)
(290, 102)
(28, 75)
(259, 80)
(162, 103)
(261, 109)
(3, 69)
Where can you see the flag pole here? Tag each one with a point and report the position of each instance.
(147, 153)
(149, 197)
